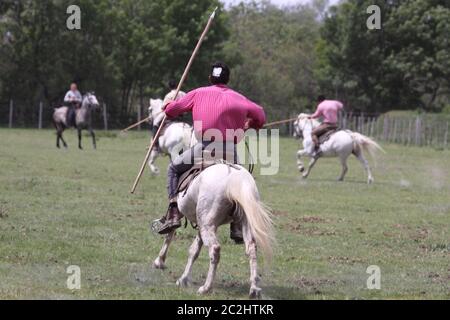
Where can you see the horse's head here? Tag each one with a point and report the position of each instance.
(91, 100)
(304, 122)
(154, 109)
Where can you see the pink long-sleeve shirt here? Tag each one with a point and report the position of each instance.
(220, 108)
(329, 110)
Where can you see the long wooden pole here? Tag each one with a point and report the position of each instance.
(271, 124)
(136, 125)
(180, 84)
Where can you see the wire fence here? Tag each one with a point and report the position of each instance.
(409, 130)
(13, 115)
(412, 130)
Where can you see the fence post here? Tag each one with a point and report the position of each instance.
(11, 111)
(418, 129)
(139, 116)
(291, 128)
(105, 118)
(408, 138)
(446, 136)
(41, 108)
(372, 127)
(386, 129)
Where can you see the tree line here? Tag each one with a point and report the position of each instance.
(282, 58)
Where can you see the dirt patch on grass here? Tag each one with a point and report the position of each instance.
(312, 231)
(315, 285)
(312, 219)
(281, 213)
(308, 225)
(439, 278)
(3, 212)
(420, 234)
(436, 247)
(344, 260)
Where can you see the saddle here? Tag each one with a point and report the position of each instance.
(327, 135)
(200, 164)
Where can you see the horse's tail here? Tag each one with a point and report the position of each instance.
(367, 144)
(242, 190)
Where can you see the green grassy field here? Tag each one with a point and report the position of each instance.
(71, 207)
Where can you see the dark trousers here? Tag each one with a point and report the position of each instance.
(71, 114)
(321, 130)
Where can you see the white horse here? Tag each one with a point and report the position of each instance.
(341, 144)
(219, 195)
(175, 138)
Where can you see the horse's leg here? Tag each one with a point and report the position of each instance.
(300, 154)
(57, 139)
(250, 250)
(79, 139)
(64, 141)
(358, 153)
(153, 156)
(209, 237)
(160, 262)
(311, 165)
(60, 134)
(94, 143)
(194, 252)
(344, 167)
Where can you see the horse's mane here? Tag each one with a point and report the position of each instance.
(304, 116)
(156, 103)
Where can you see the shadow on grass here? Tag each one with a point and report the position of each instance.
(269, 292)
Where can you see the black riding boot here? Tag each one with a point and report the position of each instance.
(172, 219)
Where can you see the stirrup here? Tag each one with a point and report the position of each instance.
(169, 226)
(156, 225)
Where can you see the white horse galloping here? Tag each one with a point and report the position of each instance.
(219, 195)
(175, 137)
(340, 144)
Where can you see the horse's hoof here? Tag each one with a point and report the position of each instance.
(203, 290)
(301, 169)
(370, 181)
(305, 176)
(255, 293)
(158, 264)
(183, 282)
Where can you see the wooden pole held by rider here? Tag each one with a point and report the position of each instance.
(180, 84)
(271, 124)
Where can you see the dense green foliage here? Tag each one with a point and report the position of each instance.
(403, 65)
(282, 58)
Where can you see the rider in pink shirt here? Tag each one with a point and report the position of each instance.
(226, 114)
(329, 111)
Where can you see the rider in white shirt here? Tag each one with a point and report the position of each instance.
(73, 99)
